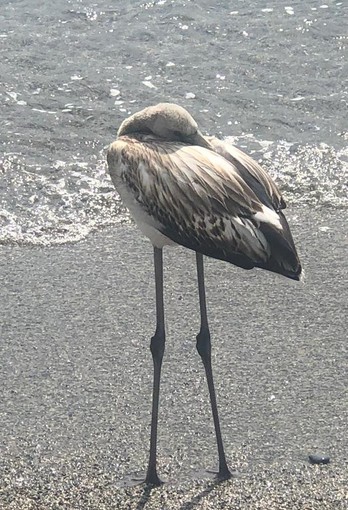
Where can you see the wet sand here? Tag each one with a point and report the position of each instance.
(76, 376)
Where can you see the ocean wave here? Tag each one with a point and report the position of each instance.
(68, 201)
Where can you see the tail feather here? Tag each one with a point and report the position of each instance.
(283, 258)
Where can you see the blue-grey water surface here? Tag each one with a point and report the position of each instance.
(270, 74)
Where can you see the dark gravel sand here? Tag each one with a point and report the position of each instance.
(76, 376)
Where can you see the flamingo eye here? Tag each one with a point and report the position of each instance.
(177, 135)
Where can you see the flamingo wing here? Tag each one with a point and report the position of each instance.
(200, 200)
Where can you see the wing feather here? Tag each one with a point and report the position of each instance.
(197, 199)
(253, 173)
(204, 201)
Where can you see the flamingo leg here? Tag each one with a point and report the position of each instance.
(204, 350)
(157, 351)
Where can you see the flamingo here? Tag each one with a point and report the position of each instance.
(199, 192)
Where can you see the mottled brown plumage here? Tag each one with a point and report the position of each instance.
(200, 192)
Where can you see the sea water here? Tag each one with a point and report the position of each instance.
(270, 76)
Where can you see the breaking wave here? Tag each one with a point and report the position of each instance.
(66, 202)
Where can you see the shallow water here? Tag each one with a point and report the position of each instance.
(272, 76)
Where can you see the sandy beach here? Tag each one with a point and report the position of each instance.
(76, 376)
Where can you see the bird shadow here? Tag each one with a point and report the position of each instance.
(144, 498)
(188, 505)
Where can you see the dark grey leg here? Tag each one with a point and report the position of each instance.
(204, 350)
(157, 350)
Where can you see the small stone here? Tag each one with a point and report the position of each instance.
(149, 84)
(318, 459)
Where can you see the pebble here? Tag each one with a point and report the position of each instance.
(318, 459)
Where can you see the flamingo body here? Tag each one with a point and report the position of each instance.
(213, 199)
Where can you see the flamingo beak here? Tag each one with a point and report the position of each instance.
(200, 140)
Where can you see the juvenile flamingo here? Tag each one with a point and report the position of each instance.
(185, 188)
